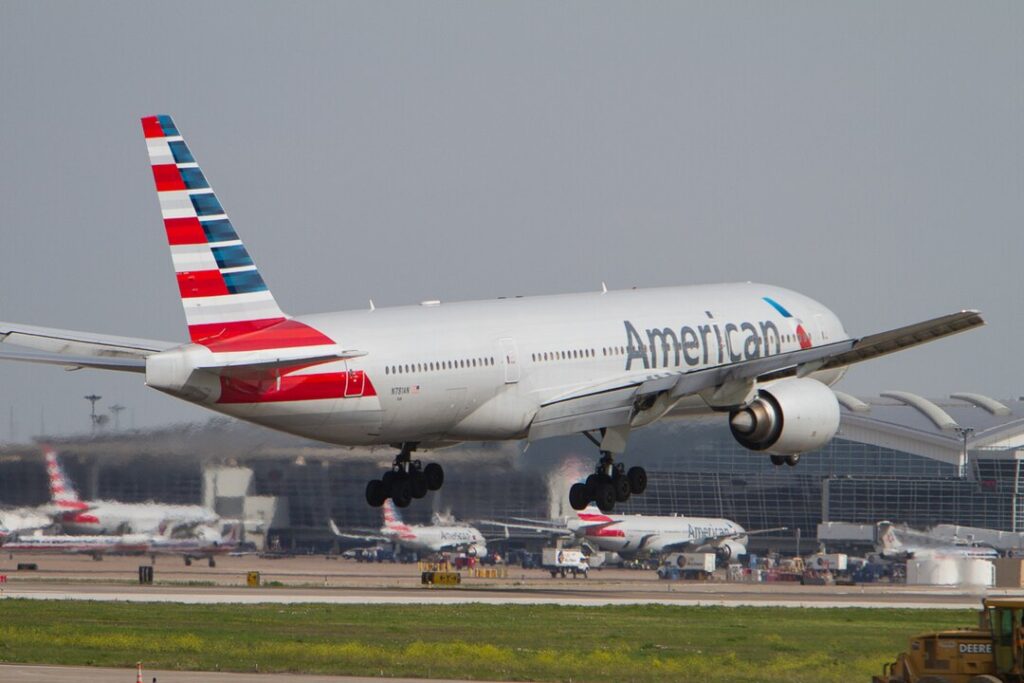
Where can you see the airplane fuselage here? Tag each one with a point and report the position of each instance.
(478, 371)
(632, 534)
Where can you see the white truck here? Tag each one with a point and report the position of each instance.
(833, 562)
(564, 561)
(687, 566)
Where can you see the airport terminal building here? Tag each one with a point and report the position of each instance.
(897, 457)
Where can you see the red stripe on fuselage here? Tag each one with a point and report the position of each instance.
(167, 178)
(294, 387)
(184, 231)
(197, 283)
(256, 335)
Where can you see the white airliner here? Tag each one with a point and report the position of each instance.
(96, 546)
(426, 376)
(905, 544)
(645, 535)
(435, 538)
(77, 516)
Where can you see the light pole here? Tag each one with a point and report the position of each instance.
(965, 434)
(116, 410)
(92, 398)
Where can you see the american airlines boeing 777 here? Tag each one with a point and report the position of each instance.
(421, 377)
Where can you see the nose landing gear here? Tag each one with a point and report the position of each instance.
(407, 479)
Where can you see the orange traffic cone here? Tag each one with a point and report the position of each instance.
(138, 678)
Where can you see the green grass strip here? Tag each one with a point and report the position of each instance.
(542, 643)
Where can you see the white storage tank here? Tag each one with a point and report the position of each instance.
(977, 572)
(933, 572)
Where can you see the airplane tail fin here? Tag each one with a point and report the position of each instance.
(62, 492)
(223, 294)
(887, 537)
(392, 518)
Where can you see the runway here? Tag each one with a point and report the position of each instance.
(314, 580)
(29, 673)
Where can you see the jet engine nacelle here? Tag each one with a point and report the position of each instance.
(789, 417)
(728, 550)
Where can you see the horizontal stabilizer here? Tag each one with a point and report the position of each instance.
(74, 349)
(72, 362)
(292, 361)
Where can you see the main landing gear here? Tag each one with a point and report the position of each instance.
(779, 460)
(609, 484)
(407, 479)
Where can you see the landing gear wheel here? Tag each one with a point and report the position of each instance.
(637, 477)
(621, 485)
(401, 492)
(792, 460)
(434, 476)
(212, 562)
(591, 486)
(778, 460)
(418, 484)
(388, 480)
(579, 498)
(604, 496)
(376, 494)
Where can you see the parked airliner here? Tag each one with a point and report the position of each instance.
(644, 535)
(420, 377)
(905, 544)
(77, 516)
(435, 538)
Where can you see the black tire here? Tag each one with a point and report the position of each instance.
(578, 497)
(418, 484)
(388, 479)
(401, 492)
(792, 460)
(375, 493)
(212, 562)
(434, 475)
(604, 496)
(622, 490)
(637, 477)
(778, 460)
(591, 483)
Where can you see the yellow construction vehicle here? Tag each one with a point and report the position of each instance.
(990, 653)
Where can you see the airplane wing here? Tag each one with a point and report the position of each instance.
(617, 403)
(682, 544)
(529, 525)
(367, 538)
(75, 349)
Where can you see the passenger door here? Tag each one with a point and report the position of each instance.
(510, 360)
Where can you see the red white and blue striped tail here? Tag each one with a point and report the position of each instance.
(62, 493)
(221, 289)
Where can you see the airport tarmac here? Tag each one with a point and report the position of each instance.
(30, 673)
(336, 581)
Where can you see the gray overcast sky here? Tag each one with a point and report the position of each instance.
(867, 154)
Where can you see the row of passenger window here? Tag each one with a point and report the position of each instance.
(562, 355)
(438, 365)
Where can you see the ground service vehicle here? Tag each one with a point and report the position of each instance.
(562, 561)
(992, 652)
